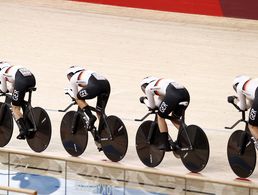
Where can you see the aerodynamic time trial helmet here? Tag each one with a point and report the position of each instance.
(4, 65)
(73, 70)
(240, 79)
(146, 81)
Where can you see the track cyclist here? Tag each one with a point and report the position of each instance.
(246, 89)
(170, 98)
(16, 80)
(87, 84)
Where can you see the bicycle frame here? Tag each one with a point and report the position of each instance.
(25, 105)
(182, 128)
(103, 117)
(243, 119)
(238, 121)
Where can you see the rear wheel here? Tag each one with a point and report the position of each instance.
(39, 138)
(115, 148)
(6, 124)
(196, 159)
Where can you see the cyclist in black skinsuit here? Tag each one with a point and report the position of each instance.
(246, 89)
(169, 97)
(87, 84)
(17, 80)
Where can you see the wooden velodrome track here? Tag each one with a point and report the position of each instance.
(203, 53)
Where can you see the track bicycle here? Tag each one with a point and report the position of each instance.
(110, 136)
(241, 151)
(36, 119)
(191, 146)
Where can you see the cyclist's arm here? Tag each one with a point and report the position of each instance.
(241, 99)
(74, 87)
(3, 84)
(150, 101)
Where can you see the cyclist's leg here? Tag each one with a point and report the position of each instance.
(92, 90)
(179, 111)
(103, 97)
(102, 100)
(101, 104)
(166, 106)
(21, 85)
(84, 94)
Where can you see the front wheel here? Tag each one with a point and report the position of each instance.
(196, 158)
(6, 124)
(114, 139)
(241, 154)
(146, 144)
(39, 125)
(74, 142)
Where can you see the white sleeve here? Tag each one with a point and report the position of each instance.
(3, 84)
(74, 87)
(11, 88)
(150, 101)
(241, 99)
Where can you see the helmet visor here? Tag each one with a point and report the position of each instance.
(143, 87)
(235, 86)
(69, 76)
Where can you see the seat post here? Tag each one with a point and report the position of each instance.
(30, 93)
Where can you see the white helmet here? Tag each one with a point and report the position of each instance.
(72, 70)
(4, 65)
(146, 81)
(240, 79)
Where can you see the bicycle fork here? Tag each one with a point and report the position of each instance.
(74, 123)
(243, 143)
(152, 128)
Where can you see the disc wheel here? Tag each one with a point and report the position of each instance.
(74, 143)
(196, 159)
(241, 154)
(38, 139)
(147, 151)
(115, 148)
(6, 124)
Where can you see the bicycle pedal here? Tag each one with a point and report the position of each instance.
(21, 137)
(98, 144)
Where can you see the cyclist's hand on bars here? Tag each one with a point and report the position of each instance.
(142, 99)
(231, 99)
(152, 109)
(68, 91)
(1, 92)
